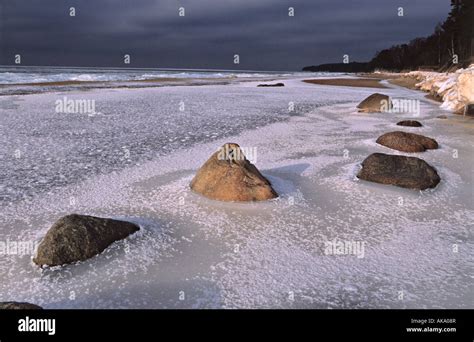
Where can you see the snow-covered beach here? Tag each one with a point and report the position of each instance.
(135, 156)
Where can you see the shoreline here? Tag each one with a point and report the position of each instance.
(49, 87)
(348, 82)
(454, 90)
(415, 80)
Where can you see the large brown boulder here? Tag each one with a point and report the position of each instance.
(409, 123)
(18, 306)
(375, 103)
(406, 172)
(79, 237)
(407, 142)
(229, 176)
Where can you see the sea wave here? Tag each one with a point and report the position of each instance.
(28, 75)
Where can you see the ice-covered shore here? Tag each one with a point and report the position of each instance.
(456, 89)
(134, 160)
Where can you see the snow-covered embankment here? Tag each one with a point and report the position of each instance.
(455, 89)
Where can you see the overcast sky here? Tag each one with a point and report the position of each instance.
(212, 31)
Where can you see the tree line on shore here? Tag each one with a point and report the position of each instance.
(450, 46)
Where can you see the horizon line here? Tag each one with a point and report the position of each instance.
(149, 68)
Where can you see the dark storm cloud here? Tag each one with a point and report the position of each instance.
(212, 31)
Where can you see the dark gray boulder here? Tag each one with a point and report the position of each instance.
(79, 237)
(409, 123)
(18, 306)
(272, 85)
(402, 171)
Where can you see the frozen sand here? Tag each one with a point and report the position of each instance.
(215, 254)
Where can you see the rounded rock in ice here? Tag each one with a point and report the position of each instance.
(228, 176)
(79, 237)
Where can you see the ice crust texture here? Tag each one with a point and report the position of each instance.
(268, 254)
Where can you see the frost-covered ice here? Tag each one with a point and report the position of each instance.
(134, 160)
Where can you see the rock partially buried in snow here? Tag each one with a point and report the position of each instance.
(272, 85)
(79, 237)
(441, 117)
(402, 171)
(19, 306)
(229, 176)
(375, 103)
(409, 123)
(407, 142)
(469, 109)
